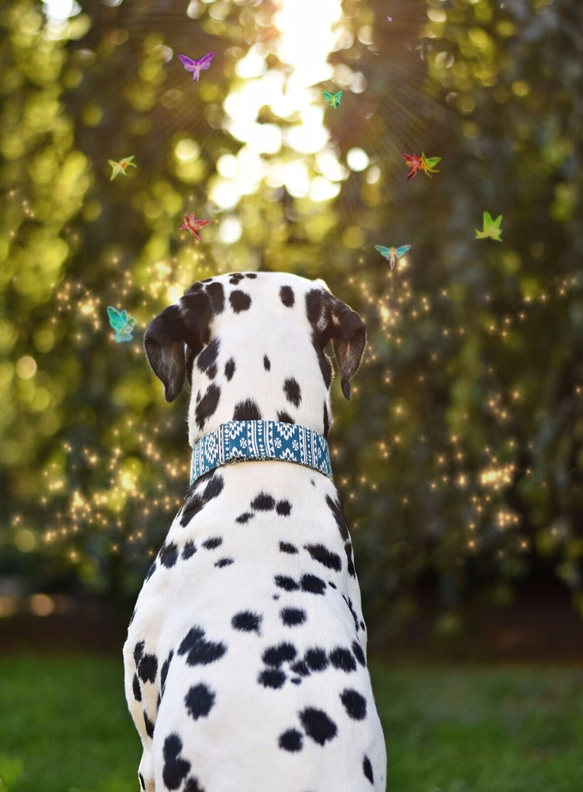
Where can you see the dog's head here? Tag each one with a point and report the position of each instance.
(253, 346)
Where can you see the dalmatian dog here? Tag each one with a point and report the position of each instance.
(245, 661)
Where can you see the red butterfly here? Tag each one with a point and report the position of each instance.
(415, 163)
(193, 226)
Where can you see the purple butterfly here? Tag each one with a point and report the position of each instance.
(196, 66)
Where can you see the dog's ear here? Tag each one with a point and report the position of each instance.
(348, 333)
(186, 324)
(334, 320)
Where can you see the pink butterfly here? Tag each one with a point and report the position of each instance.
(193, 226)
(196, 66)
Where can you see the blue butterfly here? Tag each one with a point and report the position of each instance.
(122, 324)
(333, 99)
(393, 254)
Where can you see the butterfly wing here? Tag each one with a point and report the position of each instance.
(402, 250)
(206, 60)
(384, 251)
(488, 222)
(188, 63)
(337, 98)
(124, 333)
(327, 96)
(432, 161)
(409, 159)
(116, 319)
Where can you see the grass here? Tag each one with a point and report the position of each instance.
(64, 728)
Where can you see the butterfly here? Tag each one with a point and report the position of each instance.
(121, 166)
(389, 19)
(415, 163)
(491, 228)
(423, 163)
(428, 164)
(393, 254)
(196, 66)
(193, 226)
(123, 325)
(333, 99)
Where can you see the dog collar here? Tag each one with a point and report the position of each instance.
(244, 441)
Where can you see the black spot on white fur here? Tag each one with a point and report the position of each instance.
(313, 584)
(208, 357)
(283, 508)
(175, 767)
(367, 769)
(354, 704)
(148, 668)
(207, 405)
(324, 556)
(291, 740)
(318, 725)
(240, 301)
(286, 295)
(229, 369)
(168, 555)
(200, 492)
(293, 392)
(292, 617)
(188, 550)
(282, 653)
(199, 701)
(198, 650)
(272, 678)
(247, 411)
(212, 543)
(358, 653)
(246, 621)
(244, 518)
(317, 659)
(286, 583)
(263, 502)
(343, 660)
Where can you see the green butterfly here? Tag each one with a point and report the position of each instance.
(393, 254)
(123, 325)
(428, 164)
(492, 228)
(333, 99)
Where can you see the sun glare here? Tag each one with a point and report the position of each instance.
(296, 153)
(307, 36)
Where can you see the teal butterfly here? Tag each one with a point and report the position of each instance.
(123, 325)
(393, 254)
(333, 99)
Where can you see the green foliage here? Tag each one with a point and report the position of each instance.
(460, 454)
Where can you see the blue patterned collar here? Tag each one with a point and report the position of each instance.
(240, 441)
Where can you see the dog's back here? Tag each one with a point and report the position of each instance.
(245, 658)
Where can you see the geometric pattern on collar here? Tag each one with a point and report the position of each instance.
(243, 441)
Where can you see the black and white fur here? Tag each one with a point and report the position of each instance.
(245, 662)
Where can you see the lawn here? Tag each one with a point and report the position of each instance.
(64, 728)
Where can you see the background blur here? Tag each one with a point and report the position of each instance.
(460, 455)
